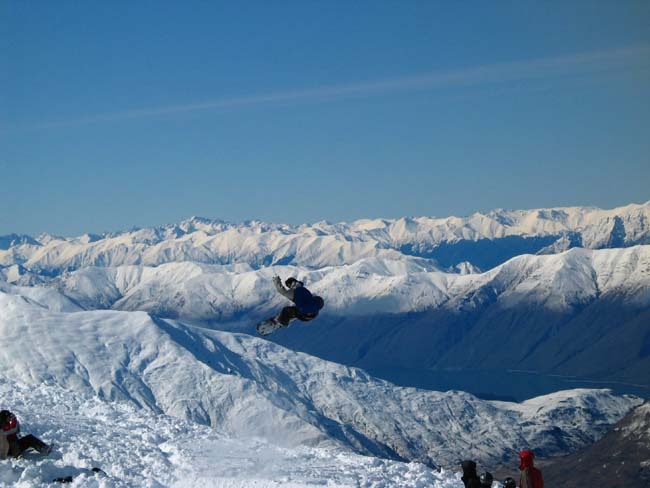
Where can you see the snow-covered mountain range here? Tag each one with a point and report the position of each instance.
(405, 298)
(555, 314)
(159, 324)
(206, 293)
(485, 240)
(249, 387)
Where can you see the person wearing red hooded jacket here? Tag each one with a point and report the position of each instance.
(10, 428)
(531, 477)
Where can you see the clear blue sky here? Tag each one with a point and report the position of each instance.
(137, 113)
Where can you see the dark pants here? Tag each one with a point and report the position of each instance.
(17, 447)
(289, 313)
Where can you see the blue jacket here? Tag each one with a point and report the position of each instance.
(305, 301)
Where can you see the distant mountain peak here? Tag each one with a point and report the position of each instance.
(483, 240)
(14, 240)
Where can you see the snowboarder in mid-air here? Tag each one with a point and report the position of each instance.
(306, 306)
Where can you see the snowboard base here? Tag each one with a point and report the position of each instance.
(266, 327)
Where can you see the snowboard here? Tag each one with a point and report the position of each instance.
(88, 472)
(266, 327)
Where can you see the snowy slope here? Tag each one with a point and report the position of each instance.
(249, 387)
(482, 239)
(18, 275)
(41, 297)
(620, 458)
(137, 448)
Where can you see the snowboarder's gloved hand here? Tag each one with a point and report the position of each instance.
(281, 289)
(278, 285)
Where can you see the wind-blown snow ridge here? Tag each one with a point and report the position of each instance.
(250, 387)
(483, 239)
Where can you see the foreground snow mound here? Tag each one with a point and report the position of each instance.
(135, 447)
(250, 387)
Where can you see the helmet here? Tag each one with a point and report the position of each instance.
(292, 283)
(486, 479)
(509, 483)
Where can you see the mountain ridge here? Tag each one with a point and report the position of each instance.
(251, 387)
(553, 314)
(483, 239)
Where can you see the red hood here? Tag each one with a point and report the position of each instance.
(526, 459)
(11, 424)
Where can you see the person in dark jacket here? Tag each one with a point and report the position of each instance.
(10, 428)
(306, 306)
(531, 477)
(470, 477)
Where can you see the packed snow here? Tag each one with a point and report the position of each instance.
(137, 448)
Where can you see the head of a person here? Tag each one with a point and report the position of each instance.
(469, 467)
(509, 482)
(526, 459)
(320, 303)
(4, 416)
(291, 282)
(486, 479)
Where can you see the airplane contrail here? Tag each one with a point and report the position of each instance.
(540, 68)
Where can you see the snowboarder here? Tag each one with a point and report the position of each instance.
(10, 428)
(531, 477)
(306, 306)
(470, 477)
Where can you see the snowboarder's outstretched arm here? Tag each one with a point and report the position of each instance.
(281, 289)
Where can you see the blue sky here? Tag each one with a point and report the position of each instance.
(136, 113)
